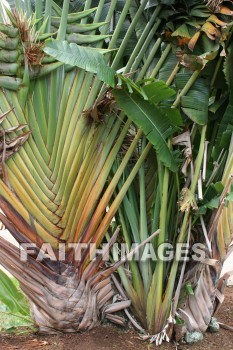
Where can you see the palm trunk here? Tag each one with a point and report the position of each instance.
(61, 301)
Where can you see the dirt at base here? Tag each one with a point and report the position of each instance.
(109, 337)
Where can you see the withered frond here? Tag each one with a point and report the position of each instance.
(23, 25)
(129, 138)
(105, 105)
(34, 54)
(28, 36)
(214, 4)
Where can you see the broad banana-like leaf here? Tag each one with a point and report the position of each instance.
(11, 296)
(90, 59)
(158, 91)
(195, 103)
(152, 120)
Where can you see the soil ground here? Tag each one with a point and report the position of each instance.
(110, 337)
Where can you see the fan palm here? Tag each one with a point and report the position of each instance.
(57, 191)
(65, 185)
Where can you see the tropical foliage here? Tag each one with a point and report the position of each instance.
(14, 308)
(130, 120)
(58, 191)
(184, 205)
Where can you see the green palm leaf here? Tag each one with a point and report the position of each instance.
(195, 103)
(11, 296)
(152, 120)
(90, 59)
